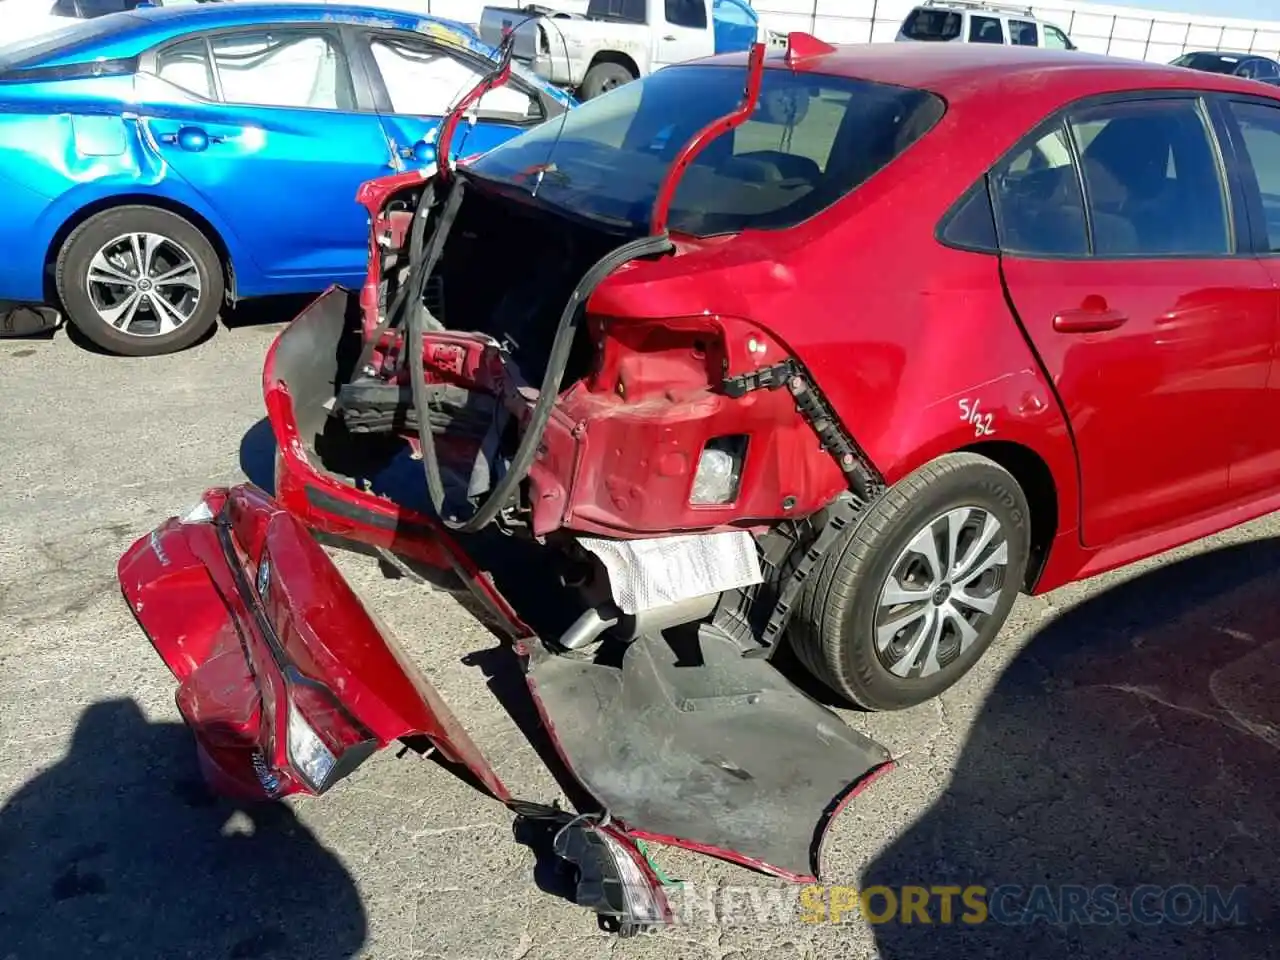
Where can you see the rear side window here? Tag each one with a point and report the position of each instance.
(1039, 206)
(985, 30)
(186, 65)
(1023, 33)
(932, 25)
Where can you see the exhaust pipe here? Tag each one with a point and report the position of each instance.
(604, 618)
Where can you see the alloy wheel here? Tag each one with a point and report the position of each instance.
(143, 284)
(942, 587)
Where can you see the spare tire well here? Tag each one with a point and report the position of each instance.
(1036, 481)
(131, 200)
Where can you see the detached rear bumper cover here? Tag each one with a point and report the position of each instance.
(251, 666)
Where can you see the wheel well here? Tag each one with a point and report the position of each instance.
(144, 200)
(1037, 484)
(614, 56)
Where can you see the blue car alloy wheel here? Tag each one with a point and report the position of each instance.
(140, 280)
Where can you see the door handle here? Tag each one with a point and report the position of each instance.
(194, 139)
(670, 38)
(1088, 321)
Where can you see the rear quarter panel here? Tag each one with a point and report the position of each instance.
(68, 145)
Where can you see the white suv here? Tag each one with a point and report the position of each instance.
(973, 21)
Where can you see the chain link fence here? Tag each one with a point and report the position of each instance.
(1118, 31)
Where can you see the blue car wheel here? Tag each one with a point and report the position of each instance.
(140, 281)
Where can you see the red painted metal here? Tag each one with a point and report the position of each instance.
(805, 46)
(858, 289)
(233, 688)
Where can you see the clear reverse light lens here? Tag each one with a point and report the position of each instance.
(642, 904)
(200, 513)
(307, 751)
(719, 469)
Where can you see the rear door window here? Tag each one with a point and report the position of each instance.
(1023, 33)
(985, 29)
(932, 25)
(687, 13)
(1260, 130)
(1152, 178)
(1039, 206)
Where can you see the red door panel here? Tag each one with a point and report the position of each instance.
(1162, 366)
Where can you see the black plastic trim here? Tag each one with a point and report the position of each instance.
(121, 66)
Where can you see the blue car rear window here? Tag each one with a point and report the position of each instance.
(65, 41)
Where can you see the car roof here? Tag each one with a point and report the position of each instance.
(247, 12)
(957, 71)
(126, 34)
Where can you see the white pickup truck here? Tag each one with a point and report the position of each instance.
(616, 41)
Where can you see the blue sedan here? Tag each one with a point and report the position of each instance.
(157, 163)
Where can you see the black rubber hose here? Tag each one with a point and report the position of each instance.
(561, 346)
(415, 345)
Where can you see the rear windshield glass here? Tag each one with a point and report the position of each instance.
(1210, 62)
(626, 11)
(931, 25)
(812, 139)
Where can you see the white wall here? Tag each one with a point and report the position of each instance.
(1117, 30)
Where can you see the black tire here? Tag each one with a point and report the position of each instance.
(602, 78)
(833, 629)
(84, 242)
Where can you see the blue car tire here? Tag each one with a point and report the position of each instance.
(140, 281)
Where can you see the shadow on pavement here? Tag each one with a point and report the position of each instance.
(258, 455)
(1123, 775)
(117, 850)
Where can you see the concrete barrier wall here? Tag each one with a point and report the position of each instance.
(1120, 31)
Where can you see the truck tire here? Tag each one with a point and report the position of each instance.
(139, 281)
(914, 593)
(604, 77)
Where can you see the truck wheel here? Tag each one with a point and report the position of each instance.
(604, 77)
(139, 281)
(911, 597)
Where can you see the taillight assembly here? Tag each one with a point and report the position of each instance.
(323, 742)
(614, 878)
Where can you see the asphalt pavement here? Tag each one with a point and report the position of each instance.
(1112, 762)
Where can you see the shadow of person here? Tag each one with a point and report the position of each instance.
(1117, 795)
(117, 850)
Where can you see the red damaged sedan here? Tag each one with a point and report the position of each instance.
(834, 348)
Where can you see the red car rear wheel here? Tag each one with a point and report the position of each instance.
(919, 587)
